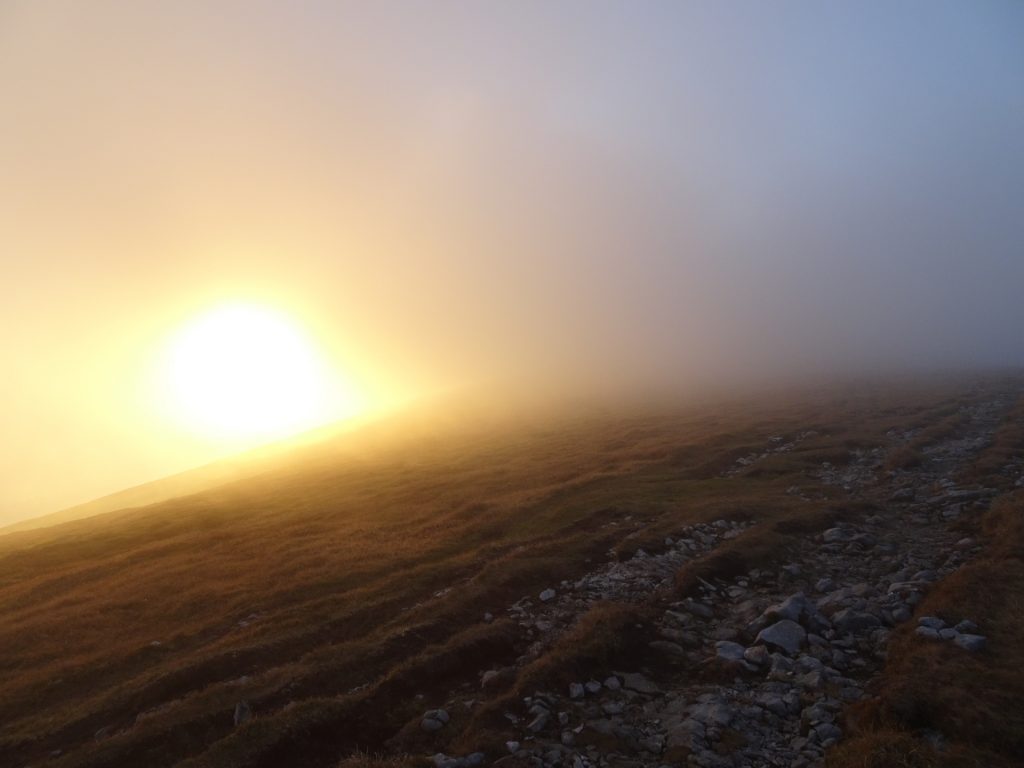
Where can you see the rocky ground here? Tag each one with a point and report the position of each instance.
(794, 645)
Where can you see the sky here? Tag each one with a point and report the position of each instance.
(586, 196)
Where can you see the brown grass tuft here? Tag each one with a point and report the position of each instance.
(903, 457)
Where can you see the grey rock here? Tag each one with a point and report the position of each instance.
(727, 650)
(612, 683)
(713, 713)
(592, 687)
(785, 634)
(613, 707)
(849, 621)
(682, 637)
(689, 733)
(576, 691)
(817, 713)
(756, 654)
(907, 587)
(546, 595)
(634, 681)
(775, 704)
(927, 633)
(966, 627)
(971, 642)
(429, 724)
(698, 609)
(901, 614)
(781, 667)
(243, 713)
(931, 621)
(807, 663)
(724, 633)
(666, 647)
(813, 681)
(836, 535)
(539, 723)
(494, 680)
(827, 732)
(948, 633)
(654, 744)
(796, 608)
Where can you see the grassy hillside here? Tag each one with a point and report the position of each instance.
(339, 595)
(191, 481)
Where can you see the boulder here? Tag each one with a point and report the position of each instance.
(786, 635)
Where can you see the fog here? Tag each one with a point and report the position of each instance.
(591, 197)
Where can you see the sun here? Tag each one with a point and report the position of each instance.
(245, 371)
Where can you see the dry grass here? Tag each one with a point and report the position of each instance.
(607, 633)
(339, 559)
(903, 457)
(367, 760)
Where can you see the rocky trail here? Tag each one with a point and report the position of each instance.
(782, 651)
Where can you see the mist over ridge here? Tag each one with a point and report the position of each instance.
(572, 198)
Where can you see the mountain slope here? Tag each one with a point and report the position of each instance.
(344, 596)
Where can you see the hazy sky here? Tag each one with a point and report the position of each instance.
(598, 194)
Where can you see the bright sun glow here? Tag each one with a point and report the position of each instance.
(248, 371)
